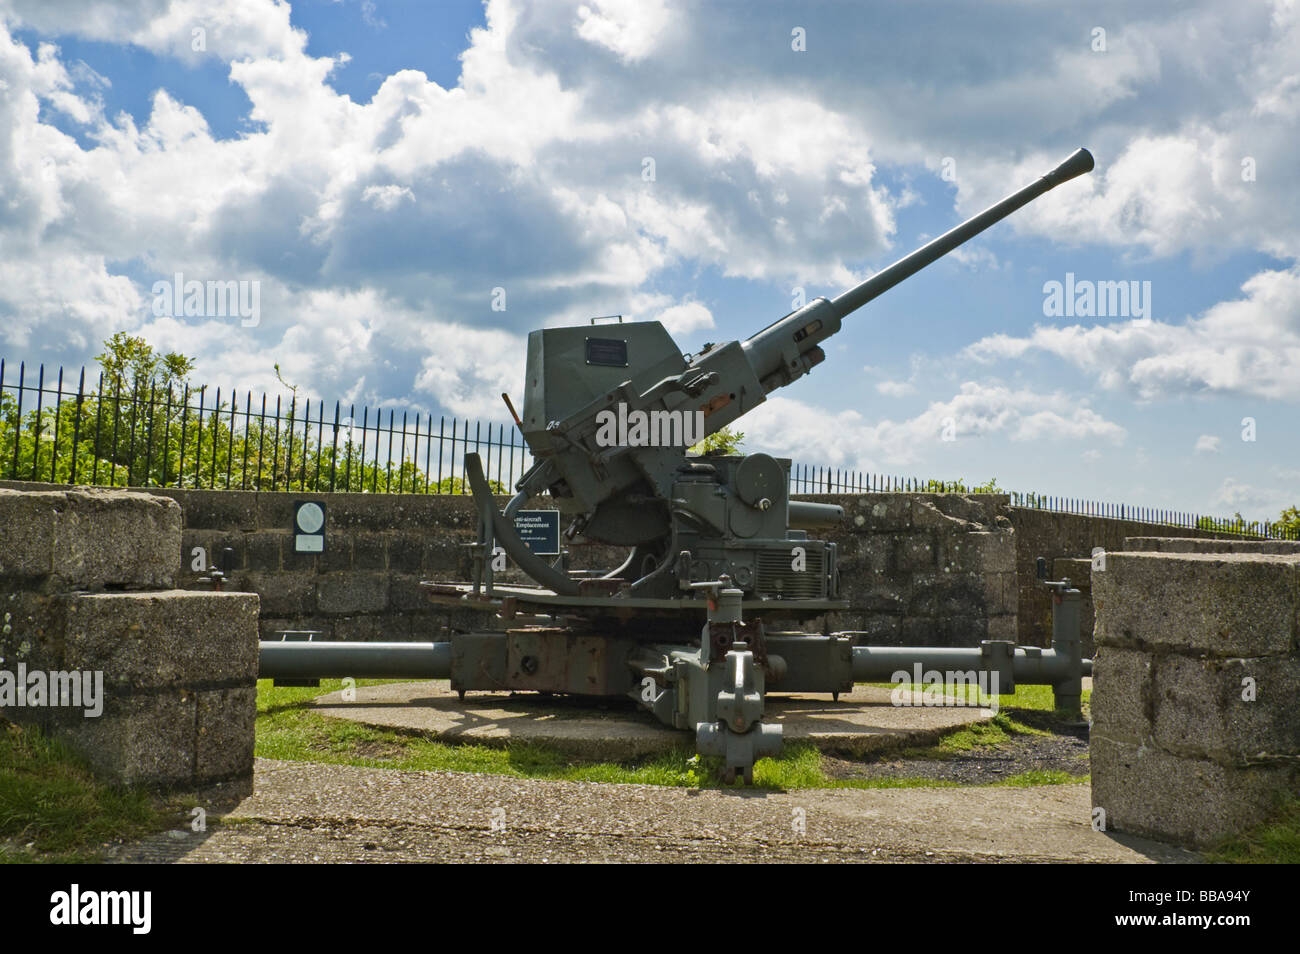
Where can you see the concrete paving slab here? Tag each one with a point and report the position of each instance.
(860, 722)
(303, 812)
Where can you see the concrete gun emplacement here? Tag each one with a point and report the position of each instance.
(716, 548)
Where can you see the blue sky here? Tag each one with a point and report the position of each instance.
(378, 168)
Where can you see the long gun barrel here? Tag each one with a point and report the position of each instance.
(577, 379)
(789, 348)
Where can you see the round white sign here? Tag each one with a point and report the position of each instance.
(310, 517)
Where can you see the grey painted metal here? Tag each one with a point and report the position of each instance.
(495, 527)
(805, 515)
(1067, 641)
(789, 348)
(1030, 666)
(729, 513)
(336, 660)
(1062, 667)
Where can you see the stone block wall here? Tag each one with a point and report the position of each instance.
(164, 680)
(918, 569)
(909, 567)
(925, 569)
(1064, 536)
(935, 569)
(364, 587)
(1196, 731)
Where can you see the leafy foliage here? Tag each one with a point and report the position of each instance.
(145, 424)
(725, 442)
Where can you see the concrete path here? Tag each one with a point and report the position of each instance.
(304, 812)
(860, 722)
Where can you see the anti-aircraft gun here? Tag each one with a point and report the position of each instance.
(715, 544)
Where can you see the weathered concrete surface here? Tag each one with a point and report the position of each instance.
(1053, 535)
(1198, 545)
(1225, 605)
(863, 721)
(179, 677)
(157, 686)
(304, 812)
(87, 537)
(1186, 800)
(1196, 731)
(164, 638)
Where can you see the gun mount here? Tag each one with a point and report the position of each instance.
(608, 413)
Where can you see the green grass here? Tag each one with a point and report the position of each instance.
(1274, 842)
(289, 729)
(50, 801)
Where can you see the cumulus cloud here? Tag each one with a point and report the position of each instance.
(846, 438)
(1249, 346)
(1255, 503)
(895, 388)
(1207, 444)
(686, 318)
(379, 230)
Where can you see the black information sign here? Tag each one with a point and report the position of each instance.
(609, 352)
(540, 530)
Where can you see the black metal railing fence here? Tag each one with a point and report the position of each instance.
(173, 435)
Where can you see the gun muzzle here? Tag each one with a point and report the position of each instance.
(1080, 162)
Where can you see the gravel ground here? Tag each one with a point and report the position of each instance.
(1065, 750)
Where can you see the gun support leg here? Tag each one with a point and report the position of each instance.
(739, 735)
(1068, 689)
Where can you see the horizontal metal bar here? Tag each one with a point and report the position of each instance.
(1030, 666)
(335, 660)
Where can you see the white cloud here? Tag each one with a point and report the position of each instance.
(378, 229)
(1207, 444)
(895, 388)
(789, 427)
(630, 28)
(468, 375)
(1246, 347)
(232, 29)
(386, 197)
(1254, 503)
(686, 318)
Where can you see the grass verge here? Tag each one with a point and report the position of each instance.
(53, 809)
(288, 729)
(1276, 842)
